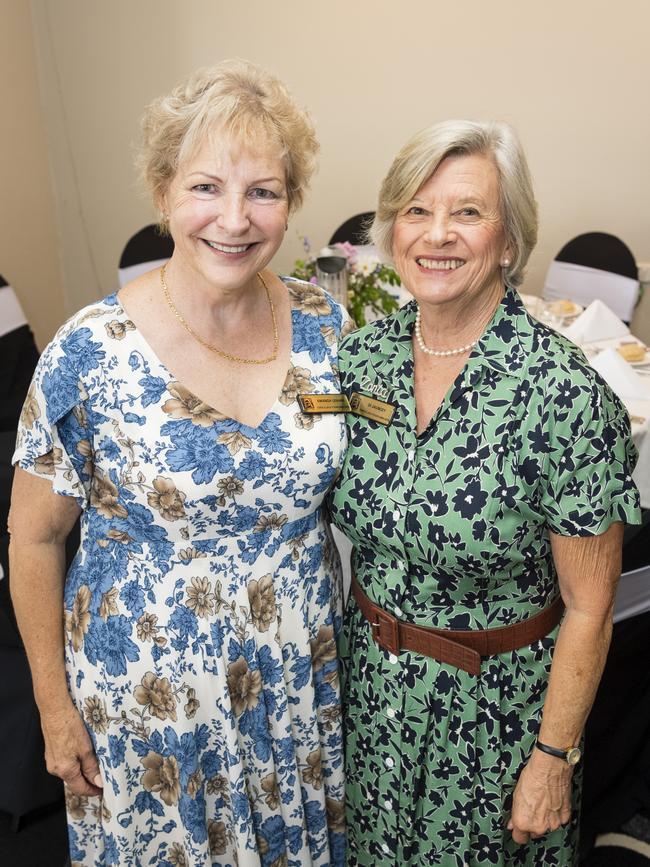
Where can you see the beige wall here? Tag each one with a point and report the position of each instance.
(571, 75)
(29, 258)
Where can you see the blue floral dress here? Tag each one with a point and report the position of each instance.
(202, 609)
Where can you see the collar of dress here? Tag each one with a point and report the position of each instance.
(504, 347)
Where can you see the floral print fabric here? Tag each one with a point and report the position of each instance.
(451, 530)
(202, 609)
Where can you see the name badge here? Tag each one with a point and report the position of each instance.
(323, 403)
(369, 407)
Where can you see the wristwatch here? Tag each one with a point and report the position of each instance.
(571, 756)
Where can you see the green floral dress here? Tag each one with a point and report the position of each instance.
(451, 530)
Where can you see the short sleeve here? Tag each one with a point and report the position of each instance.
(590, 460)
(54, 440)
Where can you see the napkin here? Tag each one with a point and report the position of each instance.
(597, 322)
(620, 376)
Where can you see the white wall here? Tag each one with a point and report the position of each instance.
(571, 75)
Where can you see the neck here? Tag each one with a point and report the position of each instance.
(451, 324)
(202, 300)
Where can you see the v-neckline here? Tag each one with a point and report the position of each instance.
(171, 377)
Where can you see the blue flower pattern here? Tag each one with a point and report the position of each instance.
(203, 607)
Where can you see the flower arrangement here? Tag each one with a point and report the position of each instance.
(367, 280)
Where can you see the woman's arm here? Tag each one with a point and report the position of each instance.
(39, 523)
(588, 569)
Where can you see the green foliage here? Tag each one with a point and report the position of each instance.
(367, 283)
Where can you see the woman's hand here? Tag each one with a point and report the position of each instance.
(542, 797)
(69, 752)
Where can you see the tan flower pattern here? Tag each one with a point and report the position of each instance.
(298, 381)
(156, 694)
(218, 837)
(117, 330)
(310, 299)
(192, 704)
(177, 856)
(78, 620)
(218, 785)
(306, 421)
(194, 783)
(230, 486)
(190, 553)
(75, 804)
(200, 597)
(270, 522)
(244, 685)
(46, 464)
(313, 772)
(234, 441)
(95, 714)
(335, 815)
(162, 776)
(103, 497)
(323, 647)
(146, 626)
(184, 404)
(167, 499)
(261, 597)
(31, 411)
(108, 605)
(119, 536)
(271, 791)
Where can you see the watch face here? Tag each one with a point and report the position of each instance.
(573, 755)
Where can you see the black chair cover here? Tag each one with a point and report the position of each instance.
(354, 230)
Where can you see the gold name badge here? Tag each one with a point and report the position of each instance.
(369, 407)
(323, 403)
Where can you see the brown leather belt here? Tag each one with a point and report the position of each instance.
(458, 647)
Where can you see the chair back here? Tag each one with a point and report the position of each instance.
(146, 250)
(354, 230)
(595, 265)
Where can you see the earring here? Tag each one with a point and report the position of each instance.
(505, 263)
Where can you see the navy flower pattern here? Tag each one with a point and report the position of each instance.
(203, 607)
(451, 530)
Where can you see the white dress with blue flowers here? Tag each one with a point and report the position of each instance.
(202, 609)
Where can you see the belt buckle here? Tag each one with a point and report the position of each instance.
(385, 631)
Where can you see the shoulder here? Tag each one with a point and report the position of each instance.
(79, 345)
(381, 335)
(565, 378)
(310, 300)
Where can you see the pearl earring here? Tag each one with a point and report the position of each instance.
(505, 263)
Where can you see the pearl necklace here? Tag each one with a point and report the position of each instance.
(439, 353)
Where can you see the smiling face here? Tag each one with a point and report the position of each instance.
(227, 210)
(448, 241)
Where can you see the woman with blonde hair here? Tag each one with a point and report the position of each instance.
(190, 700)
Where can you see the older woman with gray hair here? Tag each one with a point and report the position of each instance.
(185, 667)
(485, 489)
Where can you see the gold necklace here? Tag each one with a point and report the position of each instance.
(220, 352)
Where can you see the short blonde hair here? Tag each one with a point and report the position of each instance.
(240, 99)
(421, 156)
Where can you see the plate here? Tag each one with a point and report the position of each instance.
(564, 308)
(642, 362)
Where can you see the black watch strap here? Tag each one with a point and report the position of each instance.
(552, 751)
(571, 756)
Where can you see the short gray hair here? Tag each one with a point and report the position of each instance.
(421, 156)
(243, 100)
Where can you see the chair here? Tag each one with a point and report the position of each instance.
(354, 230)
(25, 784)
(595, 265)
(146, 250)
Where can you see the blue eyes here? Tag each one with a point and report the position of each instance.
(262, 193)
(259, 193)
(416, 211)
